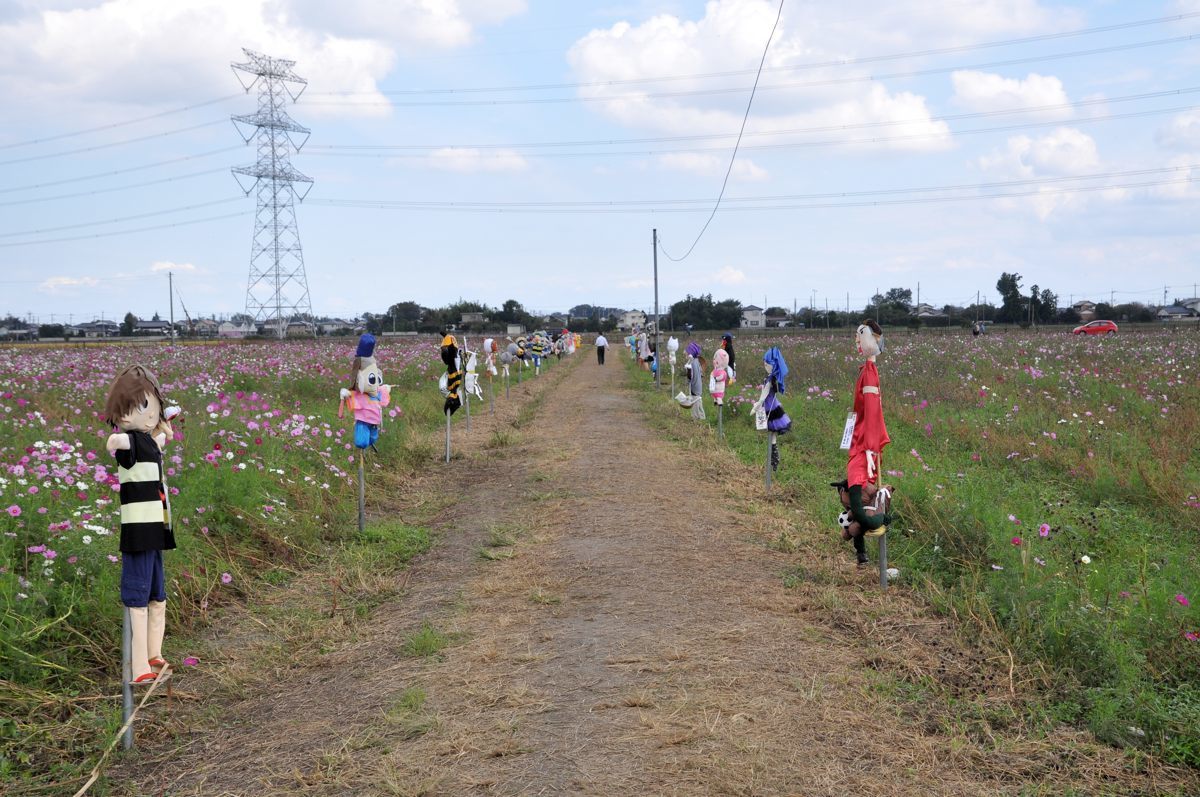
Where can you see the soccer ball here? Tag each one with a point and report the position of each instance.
(844, 519)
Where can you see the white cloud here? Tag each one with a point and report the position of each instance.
(469, 161)
(744, 169)
(56, 284)
(167, 265)
(636, 284)
(150, 52)
(730, 36)
(1181, 133)
(728, 275)
(984, 91)
(1063, 152)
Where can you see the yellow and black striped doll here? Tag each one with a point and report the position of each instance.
(454, 374)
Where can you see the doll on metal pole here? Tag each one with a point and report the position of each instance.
(365, 398)
(868, 437)
(717, 382)
(134, 406)
(769, 415)
(451, 382)
(506, 361)
(489, 364)
(672, 350)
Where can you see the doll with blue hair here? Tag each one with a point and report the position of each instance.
(768, 402)
(366, 396)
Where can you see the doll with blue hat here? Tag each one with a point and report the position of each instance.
(366, 396)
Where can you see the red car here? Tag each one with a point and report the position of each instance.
(1096, 328)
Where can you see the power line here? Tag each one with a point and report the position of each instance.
(110, 190)
(1000, 184)
(111, 144)
(123, 232)
(99, 175)
(787, 131)
(781, 86)
(121, 219)
(789, 68)
(728, 171)
(804, 144)
(115, 125)
(805, 206)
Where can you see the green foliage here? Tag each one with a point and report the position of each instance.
(1042, 486)
(427, 641)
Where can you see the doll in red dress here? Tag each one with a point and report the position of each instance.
(870, 435)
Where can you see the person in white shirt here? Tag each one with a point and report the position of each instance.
(601, 345)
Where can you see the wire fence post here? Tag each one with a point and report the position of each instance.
(720, 421)
(883, 566)
(447, 437)
(767, 466)
(362, 494)
(491, 394)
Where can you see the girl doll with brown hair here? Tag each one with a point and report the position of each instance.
(135, 407)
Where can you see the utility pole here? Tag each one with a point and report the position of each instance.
(171, 290)
(277, 289)
(976, 306)
(657, 348)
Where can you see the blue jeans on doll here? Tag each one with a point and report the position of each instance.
(365, 434)
(142, 578)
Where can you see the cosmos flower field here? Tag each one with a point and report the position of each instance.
(260, 463)
(1046, 484)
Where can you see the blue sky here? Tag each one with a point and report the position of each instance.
(867, 109)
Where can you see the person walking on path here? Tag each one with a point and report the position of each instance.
(601, 345)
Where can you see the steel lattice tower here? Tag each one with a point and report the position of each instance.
(277, 291)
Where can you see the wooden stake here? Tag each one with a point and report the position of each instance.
(362, 494)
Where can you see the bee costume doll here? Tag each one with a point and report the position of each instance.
(135, 407)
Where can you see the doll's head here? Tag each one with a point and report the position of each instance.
(693, 349)
(721, 359)
(366, 377)
(134, 402)
(869, 338)
(449, 351)
(775, 366)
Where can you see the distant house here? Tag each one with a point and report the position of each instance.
(1173, 313)
(102, 328)
(474, 318)
(155, 326)
(339, 326)
(516, 329)
(1191, 304)
(631, 319)
(205, 328)
(753, 317)
(18, 333)
(924, 310)
(778, 321)
(1085, 309)
(229, 329)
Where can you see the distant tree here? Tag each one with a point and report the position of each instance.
(1104, 310)
(727, 314)
(403, 316)
(1067, 315)
(694, 310)
(899, 298)
(50, 331)
(1047, 306)
(128, 324)
(1012, 303)
(241, 319)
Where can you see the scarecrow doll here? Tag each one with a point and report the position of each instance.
(135, 408)
(452, 380)
(777, 421)
(869, 437)
(367, 395)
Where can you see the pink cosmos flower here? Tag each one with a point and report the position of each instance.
(226, 578)
(190, 661)
(14, 510)
(1016, 541)
(1191, 636)
(1044, 530)
(1182, 600)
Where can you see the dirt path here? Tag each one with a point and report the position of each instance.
(618, 625)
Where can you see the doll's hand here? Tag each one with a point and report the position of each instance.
(161, 439)
(344, 393)
(871, 465)
(116, 441)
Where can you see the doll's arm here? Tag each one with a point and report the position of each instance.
(859, 511)
(162, 437)
(766, 390)
(118, 441)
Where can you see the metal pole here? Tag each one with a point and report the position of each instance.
(491, 394)
(767, 466)
(171, 290)
(720, 420)
(506, 383)
(362, 494)
(883, 568)
(126, 677)
(447, 437)
(657, 349)
(467, 402)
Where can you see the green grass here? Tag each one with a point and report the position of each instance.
(426, 641)
(1046, 485)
